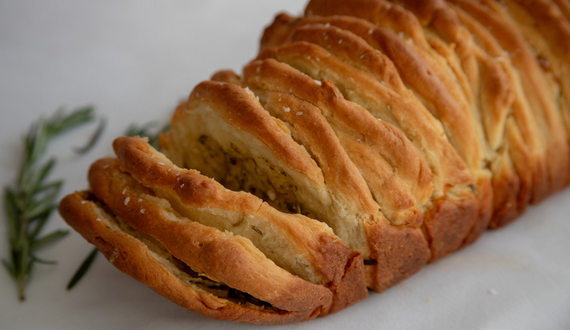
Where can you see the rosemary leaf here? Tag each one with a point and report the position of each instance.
(38, 226)
(40, 176)
(48, 239)
(40, 139)
(82, 269)
(94, 138)
(41, 206)
(12, 213)
(42, 261)
(56, 185)
(60, 123)
(9, 268)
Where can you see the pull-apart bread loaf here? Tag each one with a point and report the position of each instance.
(368, 138)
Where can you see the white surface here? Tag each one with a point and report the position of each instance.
(134, 60)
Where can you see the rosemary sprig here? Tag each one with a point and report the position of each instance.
(29, 204)
(148, 130)
(94, 138)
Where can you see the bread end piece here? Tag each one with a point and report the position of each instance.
(81, 211)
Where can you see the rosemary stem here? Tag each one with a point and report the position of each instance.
(22, 281)
(22, 252)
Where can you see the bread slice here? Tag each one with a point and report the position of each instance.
(300, 245)
(488, 92)
(197, 245)
(147, 261)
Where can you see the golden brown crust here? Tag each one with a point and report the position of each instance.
(361, 55)
(397, 253)
(132, 257)
(198, 245)
(303, 116)
(436, 16)
(456, 57)
(279, 82)
(536, 89)
(490, 109)
(305, 237)
(487, 78)
(317, 63)
(564, 7)
(427, 75)
(389, 148)
(359, 214)
(380, 12)
(520, 140)
(233, 104)
(405, 114)
(349, 291)
(543, 24)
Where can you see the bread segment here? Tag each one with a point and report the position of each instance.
(196, 245)
(296, 243)
(148, 262)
